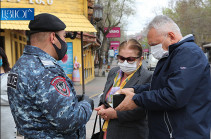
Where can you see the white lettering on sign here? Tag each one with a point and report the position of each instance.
(114, 31)
(17, 14)
(31, 1)
(40, 2)
(50, 2)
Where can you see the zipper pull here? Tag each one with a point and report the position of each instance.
(171, 136)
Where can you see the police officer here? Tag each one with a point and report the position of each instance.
(42, 98)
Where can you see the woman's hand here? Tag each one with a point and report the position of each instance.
(100, 107)
(100, 110)
(107, 114)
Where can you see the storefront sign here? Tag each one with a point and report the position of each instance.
(113, 33)
(17, 14)
(114, 44)
(49, 2)
(146, 50)
(68, 65)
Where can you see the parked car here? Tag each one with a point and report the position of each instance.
(152, 62)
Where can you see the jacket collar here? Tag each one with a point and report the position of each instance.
(133, 79)
(130, 83)
(32, 50)
(188, 38)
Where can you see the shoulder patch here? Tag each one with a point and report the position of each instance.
(61, 86)
(12, 80)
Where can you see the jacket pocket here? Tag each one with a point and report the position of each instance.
(168, 125)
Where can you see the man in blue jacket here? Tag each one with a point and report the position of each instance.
(178, 99)
(42, 98)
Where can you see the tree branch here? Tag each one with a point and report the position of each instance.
(121, 14)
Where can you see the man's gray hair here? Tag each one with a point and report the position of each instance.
(163, 25)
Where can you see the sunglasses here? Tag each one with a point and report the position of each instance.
(130, 60)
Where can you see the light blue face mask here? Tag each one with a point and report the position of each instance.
(1, 62)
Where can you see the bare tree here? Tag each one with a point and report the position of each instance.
(192, 16)
(114, 10)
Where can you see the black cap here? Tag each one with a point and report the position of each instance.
(46, 23)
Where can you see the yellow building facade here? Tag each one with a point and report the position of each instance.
(73, 13)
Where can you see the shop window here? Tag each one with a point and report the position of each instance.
(20, 38)
(16, 50)
(18, 42)
(2, 39)
(68, 65)
(15, 36)
(88, 63)
(21, 49)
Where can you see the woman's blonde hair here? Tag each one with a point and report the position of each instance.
(131, 44)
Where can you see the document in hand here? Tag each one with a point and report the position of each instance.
(117, 99)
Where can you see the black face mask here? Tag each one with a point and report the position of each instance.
(60, 52)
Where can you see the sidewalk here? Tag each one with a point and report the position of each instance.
(96, 86)
(94, 89)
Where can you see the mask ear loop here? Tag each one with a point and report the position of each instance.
(164, 38)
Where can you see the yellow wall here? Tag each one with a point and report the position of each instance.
(13, 46)
(76, 52)
(88, 58)
(78, 7)
(8, 48)
(57, 6)
(89, 65)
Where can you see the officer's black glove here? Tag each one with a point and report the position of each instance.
(89, 100)
(79, 97)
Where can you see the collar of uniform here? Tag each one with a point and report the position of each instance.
(38, 52)
(185, 39)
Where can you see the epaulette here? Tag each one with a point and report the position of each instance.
(47, 63)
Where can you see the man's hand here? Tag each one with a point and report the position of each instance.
(127, 103)
(127, 89)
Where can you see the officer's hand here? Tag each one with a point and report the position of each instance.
(79, 97)
(89, 100)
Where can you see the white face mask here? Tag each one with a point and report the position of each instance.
(127, 68)
(158, 52)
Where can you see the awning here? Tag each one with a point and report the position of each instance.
(73, 23)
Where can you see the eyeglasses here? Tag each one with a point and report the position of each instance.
(130, 60)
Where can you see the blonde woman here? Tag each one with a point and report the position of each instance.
(130, 72)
